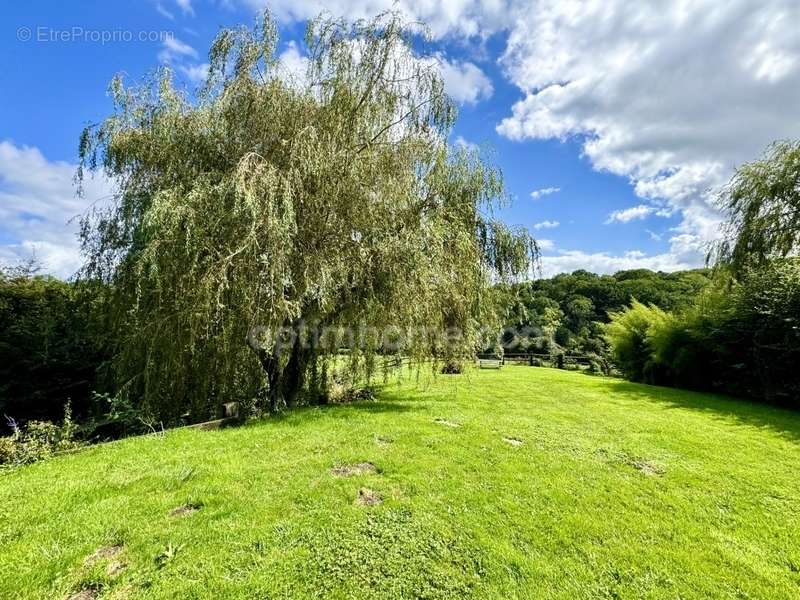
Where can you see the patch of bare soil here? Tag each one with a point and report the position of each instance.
(85, 594)
(356, 469)
(367, 497)
(644, 466)
(648, 468)
(114, 568)
(447, 423)
(104, 553)
(347, 395)
(184, 510)
(513, 441)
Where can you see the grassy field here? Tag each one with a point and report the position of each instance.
(518, 483)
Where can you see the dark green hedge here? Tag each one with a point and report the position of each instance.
(738, 337)
(51, 347)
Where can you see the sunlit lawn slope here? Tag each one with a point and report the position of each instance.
(615, 490)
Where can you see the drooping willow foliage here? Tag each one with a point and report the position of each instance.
(270, 202)
(763, 205)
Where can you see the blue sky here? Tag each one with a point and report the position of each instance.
(621, 119)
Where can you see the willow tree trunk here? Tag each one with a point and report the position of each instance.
(284, 382)
(271, 364)
(294, 374)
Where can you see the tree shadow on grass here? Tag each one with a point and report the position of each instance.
(783, 421)
(370, 406)
(388, 399)
(300, 414)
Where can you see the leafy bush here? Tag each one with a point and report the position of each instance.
(628, 334)
(348, 395)
(738, 337)
(452, 367)
(38, 440)
(597, 365)
(118, 418)
(654, 346)
(767, 310)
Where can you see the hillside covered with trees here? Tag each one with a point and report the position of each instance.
(568, 312)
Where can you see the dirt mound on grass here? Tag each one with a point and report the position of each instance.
(104, 553)
(85, 594)
(367, 497)
(648, 468)
(186, 509)
(513, 441)
(356, 469)
(114, 568)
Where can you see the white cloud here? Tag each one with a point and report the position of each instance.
(196, 73)
(465, 17)
(465, 144)
(536, 194)
(605, 263)
(164, 12)
(465, 82)
(185, 6)
(38, 208)
(670, 95)
(625, 215)
(547, 225)
(293, 65)
(545, 244)
(178, 55)
(173, 49)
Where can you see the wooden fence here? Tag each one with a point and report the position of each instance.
(531, 358)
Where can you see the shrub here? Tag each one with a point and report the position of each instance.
(627, 334)
(117, 418)
(597, 365)
(452, 367)
(347, 395)
(738, 337)
(38, 440)
(766, 311)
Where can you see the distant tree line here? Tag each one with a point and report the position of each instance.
(568, 313)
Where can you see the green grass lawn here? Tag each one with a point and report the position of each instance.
(616, 490)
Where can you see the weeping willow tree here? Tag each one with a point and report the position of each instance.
(270, 201)
(762, 201)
